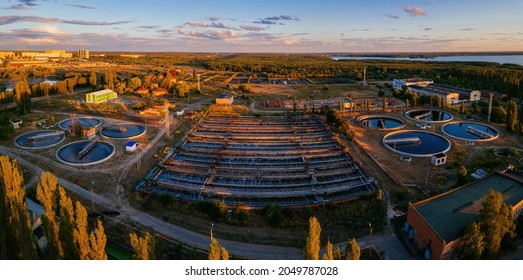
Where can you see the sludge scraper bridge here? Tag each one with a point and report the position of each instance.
(257, 161)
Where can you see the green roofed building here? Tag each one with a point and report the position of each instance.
(100, 96)
(436, 224)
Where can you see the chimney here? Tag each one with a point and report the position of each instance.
(490, 106)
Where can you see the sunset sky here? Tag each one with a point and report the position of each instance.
(262, 26)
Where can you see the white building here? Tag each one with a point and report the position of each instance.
(438, 159)
(83, 54)
(400, 83)
(131, 146)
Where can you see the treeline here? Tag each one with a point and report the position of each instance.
(64, 223)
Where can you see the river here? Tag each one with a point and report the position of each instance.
(501, 59)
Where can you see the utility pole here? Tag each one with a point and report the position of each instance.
(167, 121)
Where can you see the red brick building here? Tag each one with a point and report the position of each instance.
(436, 224)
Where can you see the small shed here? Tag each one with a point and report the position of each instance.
(16, 123)
(131, 146)
(438, 159)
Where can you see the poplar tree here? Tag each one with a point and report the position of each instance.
(512, 115)
(97, 242)
(47, 194)
(328, 255)
(92, 79)
(217, 251)
(67, 225)
(143, 247)
(352, 250)
(80, 235)
(17, 236)
(336, 253)
(312, 242)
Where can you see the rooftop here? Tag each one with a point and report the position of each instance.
(431, 90)
(450, 213)
(448, 88)
(225, 95)
(100, 92)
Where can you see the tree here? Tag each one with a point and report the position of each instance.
(496, 222)
(66, 226)
(134, 83)
(15, 227)
(462, 176)
(47, 194)
(328, 255)
(245, 88)
(472, 245)
(97, 242)
(336, 253)
(499, 114)
(312, 242)
(23, 96)
(92, 79)
(80, 235)
(512, 115)
(385, 104)
(217, 251)
(143, 247)
(462, 107)
(182, 88)
(352, 250)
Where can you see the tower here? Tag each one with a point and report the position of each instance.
(167, 118)
(491, 96)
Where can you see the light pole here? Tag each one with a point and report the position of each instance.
(92, 194)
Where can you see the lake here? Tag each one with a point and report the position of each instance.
(501, 59)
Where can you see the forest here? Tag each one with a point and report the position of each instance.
(506, 78)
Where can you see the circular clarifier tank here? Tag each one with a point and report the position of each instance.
(83, 121)
(40, 139)
(381, 122)
(85, 152)
(429, 115)
(123, 131)
(416, 143)
(470, 131)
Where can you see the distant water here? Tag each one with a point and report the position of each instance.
(501, 59)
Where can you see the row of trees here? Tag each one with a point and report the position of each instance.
(65, 223)
(313, 245)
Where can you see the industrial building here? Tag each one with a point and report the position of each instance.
(83, 54)
(449, 97)
(225, 99)
(258, 161)
(464, 94)
(435, 225)
(100, 96)
(400, 83)
(426, 86)
(47, 54)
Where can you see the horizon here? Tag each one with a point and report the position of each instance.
(286, 27)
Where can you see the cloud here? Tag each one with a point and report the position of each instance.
(213, 18)
(466, 29)
(209, 34)
(4, 20)
(82, 6)
(19, 7)
(391, 16)
(427, 29)
(432, 2)
(275, 20)
(30, 3)
(252, 28)
(149, 27)
(360, 29)
(415, 11)
(299, 34)
(197, 23)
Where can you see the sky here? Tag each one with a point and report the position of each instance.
(282, 26)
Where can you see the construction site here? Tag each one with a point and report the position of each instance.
(257, 161)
